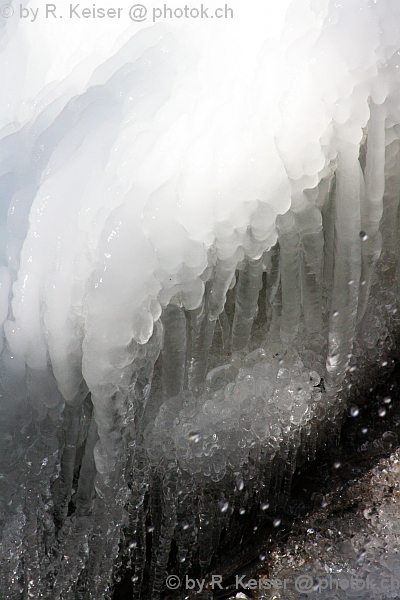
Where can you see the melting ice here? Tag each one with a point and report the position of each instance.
(199, 258)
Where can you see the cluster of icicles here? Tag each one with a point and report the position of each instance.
(198, 262)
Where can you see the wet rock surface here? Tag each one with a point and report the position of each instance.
(340, 528)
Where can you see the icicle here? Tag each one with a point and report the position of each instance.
(201, 335)
(139, 548)
(225, 329)
(170, 486)
(118, 431)
(158, 181)
(107, 522)
(209, 526)
(389, 225)
(203, 321)
(274, 294)
(224, 274)
(309, 226)
(174, 350)
(72, 551)
(246, 306)
(72, 416)
(136, 530)
(186, 531)
(328, 219)
(39, 529)
(85, 491)
(289, 242)
(142, 380)
(155, 514)
(347, 267)
(372, 202)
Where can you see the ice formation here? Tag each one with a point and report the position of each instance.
(199, 250)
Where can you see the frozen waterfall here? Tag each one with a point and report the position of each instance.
(199, 257)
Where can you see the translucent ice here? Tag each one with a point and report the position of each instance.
(198, 256)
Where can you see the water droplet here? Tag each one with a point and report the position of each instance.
(263, 556)
(382, 411)
(185, 525)
(240, 485)
(363, 236)
(350, 282)
(354, 411)
(194, 437)
(223, 506)
(242, 511)
(364, 430)
(384, 363)
(150, 529)
(276, 522)
(264, 505)
(362, 557)
(336, 465)
(132, 545)
(387, 399)
(135, 578)
(335, 313)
